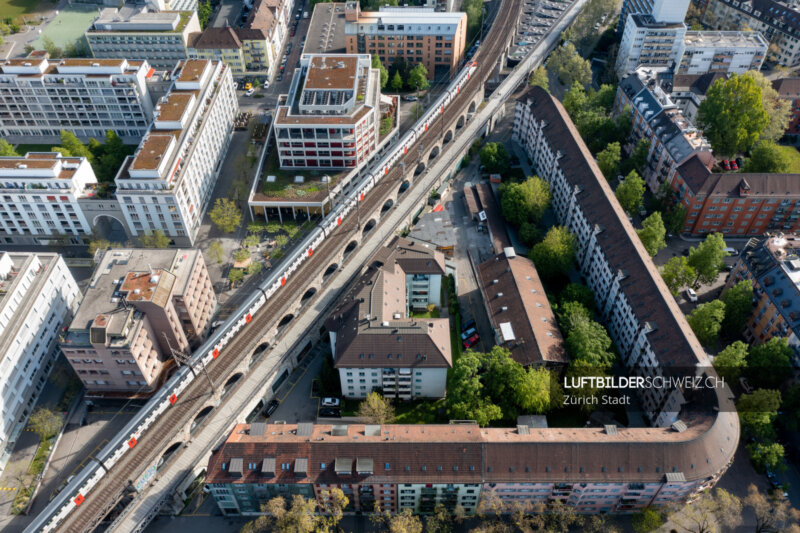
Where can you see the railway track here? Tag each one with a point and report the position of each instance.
(113, 486)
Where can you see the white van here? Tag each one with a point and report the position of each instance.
(731, 251)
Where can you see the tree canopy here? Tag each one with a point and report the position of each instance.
(555, 255)
(375, 409)
(767, 456)
(706, 321)
(495, 157)
(539, 78)
(44, 422)
(730, 362)
(589, 342)
(473, 9)
(225, 215)
(524, 202)
(569, 66)
(630, 192)
(154, 239)
(608, 160)
(677, 273)
(732, 115)
(418, 77)
(6, 149)
(758, 411)
(766, 156)
(653, 234)
(778, 109)
(376, 63)
(397, 82)
(768, 364)
(706, 257)
(738, 306)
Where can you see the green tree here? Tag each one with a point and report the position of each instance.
(6, 150)
(376, 63)
(539, 78)
(418, 77)
(730, 362)
(608, 160)
(653, 234)
(44, 423)
(335, 504)
(465, 400)
(71, 146)
(375, 409)
(630, 192)
(98, 244)
(281, 240)
(569, 66)
(716, 510)
(235, 275)
(253, 268)
(738, 306)
(570, 314)
(397, 82)
(768, 364)
(241, 255)
(576, 101)
(791, 408)
(524, 202)
(677, 273)
(706, 321)
(767, 456)
(589, 342)
(204, 11)
(646, 520)
(766, 156)
(779, 110)
(758, 411)
(225, 215)
(529, 234)
(495, 158)
(534, 393)
(706, 258)
(299, 517)
(577, 292)
(474, 10)
(215, 252)
(154, 239)
(638, 159)
(732, 115)
(555, 254)
(50, 47)
(441, 521)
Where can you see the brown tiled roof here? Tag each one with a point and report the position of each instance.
(672, 339)
(218, 38)
(701, 181)
(332, 72)
(524, 306)
(497, 227)
(696, 169)
(262, 16)
(787, 87)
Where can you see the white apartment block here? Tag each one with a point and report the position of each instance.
(733, 52)
(37, 295)
(640, 314)
(39, 196)
(650, 43)
(40, 97)
(138, 32)
(333, 120)
(167, 183)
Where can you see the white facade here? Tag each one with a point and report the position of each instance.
(39, 196)
(722, 51)
(647, 42)
(670, 10)
(423, 290)
(167, 183)
(401, 383)
(40, 97)
(37, 295)
(424, 497)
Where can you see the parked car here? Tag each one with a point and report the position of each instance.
(250, 92)
(725, 164)
(739, 162)
(468, 324)
(469, 333)
(271, 406)
(266, 85)
(331, 402)
(248, 86)
(330, 412)
(469, 343)
(410, 98)
(691, 295)
(734, 165)
(280, 77)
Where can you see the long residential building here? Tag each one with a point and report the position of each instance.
(778, 21)
(375, 339)
(166, 185)
(136, 31)
(140, 305)
(41, 97)
(415, 34)
(39, 196)
(733, 52)
(772, 263)
(37, 295)
(333, 120)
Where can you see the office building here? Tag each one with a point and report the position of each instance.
(140, 305)
(518, 309)
(167, 183)
(734, 203)
(41, 97)
(673, 138)
(789, 89)
(376, 341)
(253, 49)
(37, 296)
(136, 31)
(333, 119)
(40, 195)
(772, 264)
(415, 34)
(732, 52)
(778, 21)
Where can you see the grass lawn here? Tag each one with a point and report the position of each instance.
(425, 314)
(794, 156)
(14, 8)
(284, 186)
(23, 149)
(420, 412)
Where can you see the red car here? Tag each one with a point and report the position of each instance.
(733, 164)
(469, 343)
(725, 164)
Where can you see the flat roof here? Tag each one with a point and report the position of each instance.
(175, 105)
(332, 72)
(725, 38)
(193, 69)
(326, 30)
(152, 151)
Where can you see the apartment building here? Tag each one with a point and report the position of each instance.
(140, 305)
(40, 97)
(416, 467)
(689, 91)
(648, 42)
(736, 204)
(332, 120)
(789, 89)
(39, 196)
(37, 295)
(415, 34)
(779, 22)
(253, 49)
(642, 317)
(137, 31)
(722, 51)
(376, 341)
(772, 263)
(631, 7)
(167, 183)
(673, 138)
(519, 311)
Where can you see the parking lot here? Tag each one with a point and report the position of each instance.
(537, 17)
